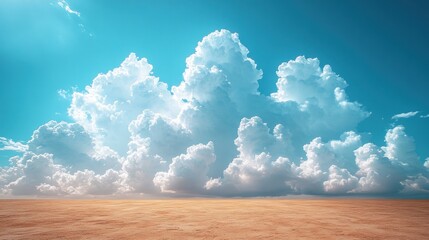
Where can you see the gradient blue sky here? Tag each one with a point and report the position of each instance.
(379, 47)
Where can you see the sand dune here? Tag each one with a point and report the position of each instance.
(214, 219)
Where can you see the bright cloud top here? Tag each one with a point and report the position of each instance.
(214, 134)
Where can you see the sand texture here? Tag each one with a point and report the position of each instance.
(214, 219)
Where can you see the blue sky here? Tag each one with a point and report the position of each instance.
(379, 47)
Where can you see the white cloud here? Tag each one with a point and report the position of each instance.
(71, 146)
(400, 148)
(424, 116)
(66, 94)
(63, 93)
(416, 185)
(160, 133)
(140, 167)
(405, 115)
(258, 169)
(113, 100)
(376, 173)
(220, 63)
(188, 172)
(83, 183)
(340, 181)
(221, 87)
(328, 165)
(64, 5)
(31, 170)
(320, 93)
(132, 135)
(390, 168)
(56, 161)
(10, 145)
(39, 175)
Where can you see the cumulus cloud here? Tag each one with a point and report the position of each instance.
(213, 134)
(61, 159)
(376, 173)
(389, 168)
(400, 148)
(340, 181)
(416, 185)
(37, 174)
(327, 165)
(113, 100)
(32, 170)
(405, 115)
(188, 172)
(258, 169)
(320, 93)
(140, 167)
(71, 146)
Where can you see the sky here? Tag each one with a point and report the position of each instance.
(217, 98)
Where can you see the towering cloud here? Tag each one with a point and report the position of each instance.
(319, 93)
(259, 168)
(113, 100)
(213, 134)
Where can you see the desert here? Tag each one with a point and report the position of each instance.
(215, 219)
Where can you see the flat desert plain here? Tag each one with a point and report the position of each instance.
(215, 219)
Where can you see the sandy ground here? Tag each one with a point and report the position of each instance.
(214, 219)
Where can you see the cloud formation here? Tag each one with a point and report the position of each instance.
(10, 145)
(64, 5)
(405, 115)
(214, 134)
